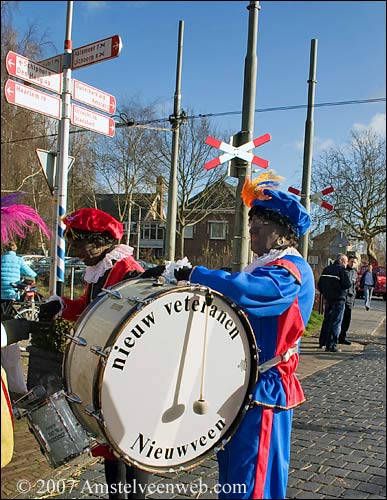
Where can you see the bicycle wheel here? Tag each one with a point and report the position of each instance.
(28, 313)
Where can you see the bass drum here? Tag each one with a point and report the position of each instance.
(167, 373)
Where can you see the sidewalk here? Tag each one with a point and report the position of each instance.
(343, 386)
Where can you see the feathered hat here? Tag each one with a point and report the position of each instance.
(264, 192)
(16, 218)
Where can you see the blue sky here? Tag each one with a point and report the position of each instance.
(351, 62)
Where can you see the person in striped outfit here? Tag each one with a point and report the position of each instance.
(277, 292)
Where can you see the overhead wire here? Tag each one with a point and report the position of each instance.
(125, 122)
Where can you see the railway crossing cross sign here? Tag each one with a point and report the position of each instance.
(317, 197)
(239, 152)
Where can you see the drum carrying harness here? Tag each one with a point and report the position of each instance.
(278, 359)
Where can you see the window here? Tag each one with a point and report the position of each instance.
(218, 230)
(313, 259)
(188, 232)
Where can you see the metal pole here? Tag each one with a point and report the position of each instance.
(241, 237)
(138, 232)
(170, 243)
(129, 218)
(54, 237)
(63, 159)
(308, 144)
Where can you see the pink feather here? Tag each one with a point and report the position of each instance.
(17, 219)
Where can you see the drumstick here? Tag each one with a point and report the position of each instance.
(201, 406)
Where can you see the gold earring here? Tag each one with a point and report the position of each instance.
(281, 241)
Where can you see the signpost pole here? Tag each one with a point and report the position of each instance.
(64, 152)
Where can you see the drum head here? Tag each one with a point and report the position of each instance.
(177, 380)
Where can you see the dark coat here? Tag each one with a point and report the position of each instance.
(334, 283)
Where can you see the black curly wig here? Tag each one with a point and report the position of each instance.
(277, 217)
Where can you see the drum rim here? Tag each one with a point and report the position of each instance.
(222, 441)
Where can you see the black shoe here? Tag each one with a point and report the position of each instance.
(332, 349)
(367, 308)
(346, 342)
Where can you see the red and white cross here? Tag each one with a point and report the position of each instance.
(240, 152)
(317, 197)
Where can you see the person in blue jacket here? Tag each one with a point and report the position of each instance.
(13, 268)
(277, 292)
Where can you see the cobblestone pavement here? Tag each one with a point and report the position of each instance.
(338, 441)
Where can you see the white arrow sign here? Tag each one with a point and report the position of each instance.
(30, 98)
(23, 68)
(96, 122)
(47, 160)
(93, 97)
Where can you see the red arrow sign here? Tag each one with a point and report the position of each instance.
(93, 97)
(23, 68)
(96, 52)
(30, 98)
(96, 122)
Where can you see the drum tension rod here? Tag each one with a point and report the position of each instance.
(73, 398)
(113, 293)
(97, 349)
(140, 301)
(89, 410)
(77, 340)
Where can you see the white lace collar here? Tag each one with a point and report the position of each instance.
(269, 257)
(119, 252)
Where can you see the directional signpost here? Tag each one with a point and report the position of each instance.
(54, 63)
(94, 97)
(30, 98)
(91, 120)
(96, 52)
(48, 74)
(27, 70)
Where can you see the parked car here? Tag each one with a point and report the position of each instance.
(380, 288)
(32, 260)
(146, 265)
(79, 267)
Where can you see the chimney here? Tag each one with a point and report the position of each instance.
(327, 228)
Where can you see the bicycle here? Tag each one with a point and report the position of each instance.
(26, 305)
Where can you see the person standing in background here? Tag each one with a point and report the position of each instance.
(333, 284)
(368, 283)
(13, 268)
(349, 300)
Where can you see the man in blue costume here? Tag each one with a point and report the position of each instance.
(277, 292)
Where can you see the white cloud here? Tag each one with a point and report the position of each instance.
(377, 124)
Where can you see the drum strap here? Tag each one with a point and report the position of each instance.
(278, 359)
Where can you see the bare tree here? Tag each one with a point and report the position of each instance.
(20, 169)
(197, 188)
(125, 164)
(358, 174)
